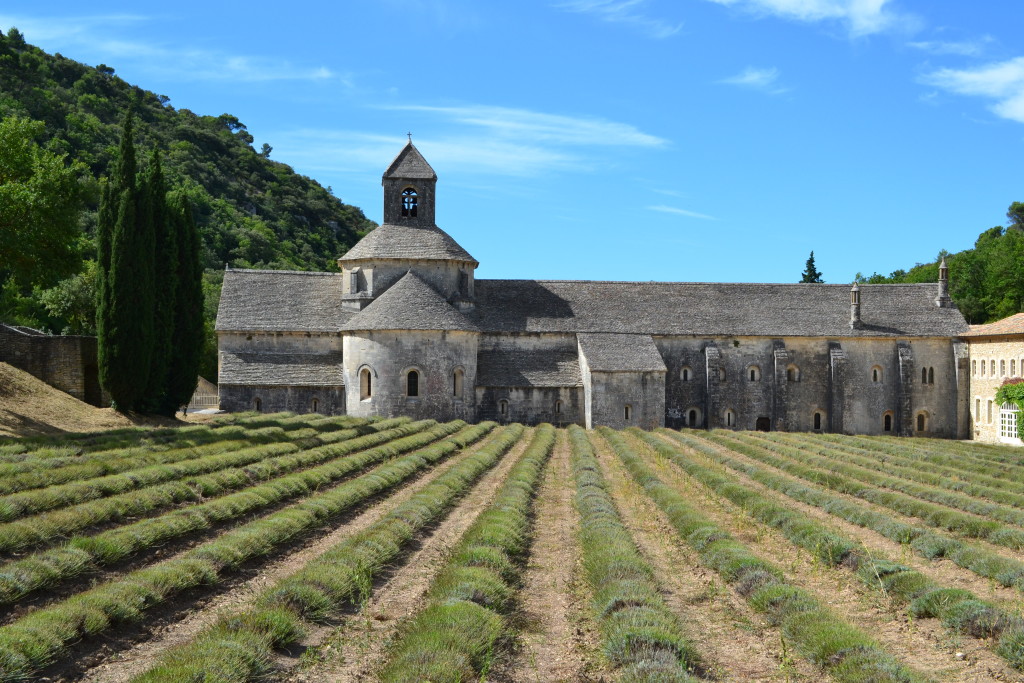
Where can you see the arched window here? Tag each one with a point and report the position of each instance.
(721, 374)
(686, 374)
(457, 380)
(257, 405)
(974, 367)
(931, 375)
(983, 364)
(692, 418)
(503, 408)
(992, 368)
(817, 421)
(365, 384)
(730, 418)
(1013, 368)
(924, 375)
(754, 373)
(627, 412)
(558, 407)
(1002, 368)
(409, 201)
(412, 384)
(792, 373)
(922, 422)
(876, 374)
(887, 422)
(314, 405)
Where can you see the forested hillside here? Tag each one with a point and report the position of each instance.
(251, 211)
(986, 282)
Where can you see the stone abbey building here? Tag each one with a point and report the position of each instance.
(407, 329)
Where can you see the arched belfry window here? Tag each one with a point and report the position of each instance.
(409, 201)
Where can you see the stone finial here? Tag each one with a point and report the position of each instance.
(942, 299)
(855, 322)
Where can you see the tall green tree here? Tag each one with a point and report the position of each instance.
(165, 279)
(188, 334)
(41, 199)
(811, 273)
(125, 328)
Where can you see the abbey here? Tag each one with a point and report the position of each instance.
(407, 329)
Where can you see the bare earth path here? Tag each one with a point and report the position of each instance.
(736, 641)
(142, 656)
(353, 650)
(557, 641)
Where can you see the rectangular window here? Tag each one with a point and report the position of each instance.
(982, 368)
(1008, 421)
(1013, 368)
(1002, 368)
(974, 367)
(990, 412)
(977, 410)
(992, 368)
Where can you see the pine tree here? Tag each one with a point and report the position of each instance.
(187, 339)
(811, 274)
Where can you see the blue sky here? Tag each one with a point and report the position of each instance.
(686, 140)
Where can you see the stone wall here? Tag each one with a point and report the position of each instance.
(988, 353)
(273, 399)
(560, 406)
(796, 379)
(389, 356)
(67, 363)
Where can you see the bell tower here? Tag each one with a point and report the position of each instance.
(409, 187)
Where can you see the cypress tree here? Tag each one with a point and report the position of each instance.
(187, 339)
(127, 328)
(165, 275)
(811, 273)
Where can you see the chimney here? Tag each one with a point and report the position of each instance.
(943, 300)
(855, 307)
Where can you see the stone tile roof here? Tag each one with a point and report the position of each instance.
(280, 301)
(528, 368)
(409, 304)
(410, 164)
(406, 242)
(281, 369)
(621, 352)
(710, 309)
(1007, 326)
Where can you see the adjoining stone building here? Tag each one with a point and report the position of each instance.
(407, 329)
(997, 354)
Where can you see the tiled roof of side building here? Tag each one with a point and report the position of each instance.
(407, 242)
(280, 301)
(711, 309)
(409, 304)
(1014, 324)
(512, 367)
(281, 369)
(620, 352)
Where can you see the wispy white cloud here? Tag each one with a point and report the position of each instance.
(99, 34)
(1000, 81)
(471, 139)
(627, 12)
(765, 80)
(539, 127)
(681, 212)
(964, 48)
(861, 17)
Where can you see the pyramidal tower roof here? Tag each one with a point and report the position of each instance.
(409, 304)
(410, 164)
